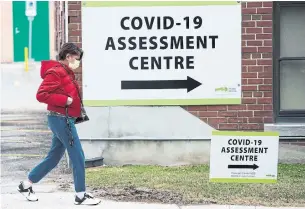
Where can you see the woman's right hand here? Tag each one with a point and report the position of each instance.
(69, 101)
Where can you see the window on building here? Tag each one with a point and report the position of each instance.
(289, 59)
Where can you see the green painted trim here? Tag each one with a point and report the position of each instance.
(96, 103)
(242, 133)
(243, 180)
(154, 3)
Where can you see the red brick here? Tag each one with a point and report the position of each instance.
(237, 120)
(217, 120)
(249, 10)
(267, 55)
(254, 30)
(249, 75)
(246, 17)
(196, 108)
(246, 56)
(217, 108)
(255, 69)
(268, 69)
(257, 94)
(251, 126)
(264, 10)
(264, 62)
(237, 107)
(208, 114)
(265, 87)
(264, 100)
(255, 107)
(267, 43)
(227, 114)
(268, 81)
(245, 114)
(73, 26)
(248, 100)
(263, 36)
(255, 81)
(268, 107)
(254, 4)
(243, 5)
(265, 75)
(74, 13)
(243, 43)
(267, 4)
(256, 55)
(267, 30)
(244, 81)
(228, 126)
(195, 113)
(264, 23)
(255, 120)
(244, 69)
(267, 17)
(249, 88)
(74, 2)
(204, 119)
(75, 32)
(268, 94)
(263, 113)
(256, 17)
(73, 39)
(214, 125)
(264, 49)
(248, 62)
(75, 19)
(254, 43)
(74, 7)
(246, 94)
(248, 24)
(268, 120)
(248, 37)
(249, 49)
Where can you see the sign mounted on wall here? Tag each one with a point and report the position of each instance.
(161, 53)
(244, 157)
(30, 9)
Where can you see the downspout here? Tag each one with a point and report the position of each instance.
(65, 41)
(66, 22)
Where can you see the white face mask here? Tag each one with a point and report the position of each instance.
(74, 65)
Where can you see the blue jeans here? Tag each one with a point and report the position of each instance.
(60, 142)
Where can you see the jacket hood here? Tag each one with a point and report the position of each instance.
(46, 65)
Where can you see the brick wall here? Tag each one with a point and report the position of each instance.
(256, 108)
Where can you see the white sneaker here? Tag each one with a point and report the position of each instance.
(88, 199)
(28, 193)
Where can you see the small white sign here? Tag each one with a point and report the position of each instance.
(244, 157)
(30, 9)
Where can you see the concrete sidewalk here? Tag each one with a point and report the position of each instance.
(50, 198)
(64, 200)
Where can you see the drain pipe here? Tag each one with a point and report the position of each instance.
(66, 22)
(65, 41)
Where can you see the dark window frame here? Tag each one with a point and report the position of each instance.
(282, 115)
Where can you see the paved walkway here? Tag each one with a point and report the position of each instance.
(62, 200)
(51, 198)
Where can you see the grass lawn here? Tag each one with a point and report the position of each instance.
(190, 185)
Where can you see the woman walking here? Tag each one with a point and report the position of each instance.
(60, 91)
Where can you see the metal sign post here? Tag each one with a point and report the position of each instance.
(30, 12)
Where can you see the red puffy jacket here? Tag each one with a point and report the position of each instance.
(58, 84)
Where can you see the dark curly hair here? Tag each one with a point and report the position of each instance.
(70, 48)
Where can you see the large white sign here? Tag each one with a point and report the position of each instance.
(161, 53)
(245, 157)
